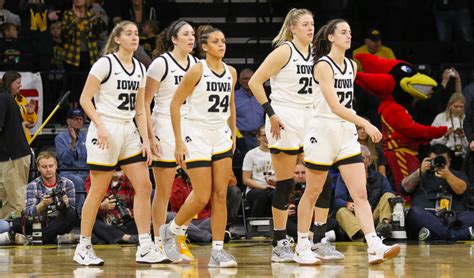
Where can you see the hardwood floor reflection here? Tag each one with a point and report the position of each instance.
(417, 260)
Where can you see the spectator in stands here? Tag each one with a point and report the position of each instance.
(150, 30)
(95, 7)
(11, 48)
(12, 83)
(140, 11)
(56, 59)
(455, 139)
(469, 131)
(425, 111)
(7, 16)
(259, 177)
(51, 199)
(72, 153)
(15, 153)
(250, 115)
(80, 31)
(438, 195)
(453, 17)
(379, 162)
(373, 45)
(115, 222)
(379, 191)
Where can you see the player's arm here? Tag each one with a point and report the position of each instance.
(91, 87)
(274, 62)
(185, 88)
(324, 74)
(151, 87)
(233, 116)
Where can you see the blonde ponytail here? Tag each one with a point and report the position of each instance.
(111, 46)
(285, 31)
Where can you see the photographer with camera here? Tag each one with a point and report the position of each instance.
(50, 198)
(379, 191)
(438, 193)
(455, 139)
(115, 222)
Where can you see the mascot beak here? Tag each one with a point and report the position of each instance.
(420, 86)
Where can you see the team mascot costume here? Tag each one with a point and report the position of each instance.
(397, 83)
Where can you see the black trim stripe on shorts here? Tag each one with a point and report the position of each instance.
(164, 164)
(350, 160)
(290, 152)
(133, 159)
(222, 155)
(104, 168)
(198, 163)
(317, 167)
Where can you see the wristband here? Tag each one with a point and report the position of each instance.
(268, 109)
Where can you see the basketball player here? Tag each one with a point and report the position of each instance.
(332, 137)
(116, 82)
(289, 68)
(163, 77)
(206, 144)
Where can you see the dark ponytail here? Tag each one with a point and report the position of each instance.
(321, 43)
(164, 41)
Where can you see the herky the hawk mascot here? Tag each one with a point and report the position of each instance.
(397, 83)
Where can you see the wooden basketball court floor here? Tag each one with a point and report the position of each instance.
(415, 260)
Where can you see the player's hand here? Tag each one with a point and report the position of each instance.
(155, 146)
(180, 154)
(102, 137)
(146, 152)
(373, 133)
(276, 126)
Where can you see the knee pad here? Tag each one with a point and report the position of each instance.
(282, 194)
(324, 199)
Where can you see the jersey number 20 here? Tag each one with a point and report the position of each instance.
(128, 101)
(218, 103)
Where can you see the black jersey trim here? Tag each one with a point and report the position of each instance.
(166, 68)
(338, 68)
(195, 59)
(352, 66)
(141, 67)
(125, 70)
(215, 73)
(321, 60)
(110, 70)
(301, 54)
(289, 57)
(176, 62)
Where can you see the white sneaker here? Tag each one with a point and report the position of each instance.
(382, 253)
(282, 252)
(149, 254)
(304, 255)
(5, 239)
(85, 255)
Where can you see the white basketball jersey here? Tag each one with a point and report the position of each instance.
(173, 74)
(210, 101)
(118, 90)
(294, 82)
(343, 85)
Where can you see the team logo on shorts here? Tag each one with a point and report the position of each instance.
(187, 139)
(94, 141)
(313, 140)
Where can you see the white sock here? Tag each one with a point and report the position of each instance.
(174, 228)
(182, 230)
(372, 240)
(217, 245)
(144, 239)
(85, 241)
(302, 237)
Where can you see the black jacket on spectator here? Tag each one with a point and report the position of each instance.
(13, 142)
(425, 194)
